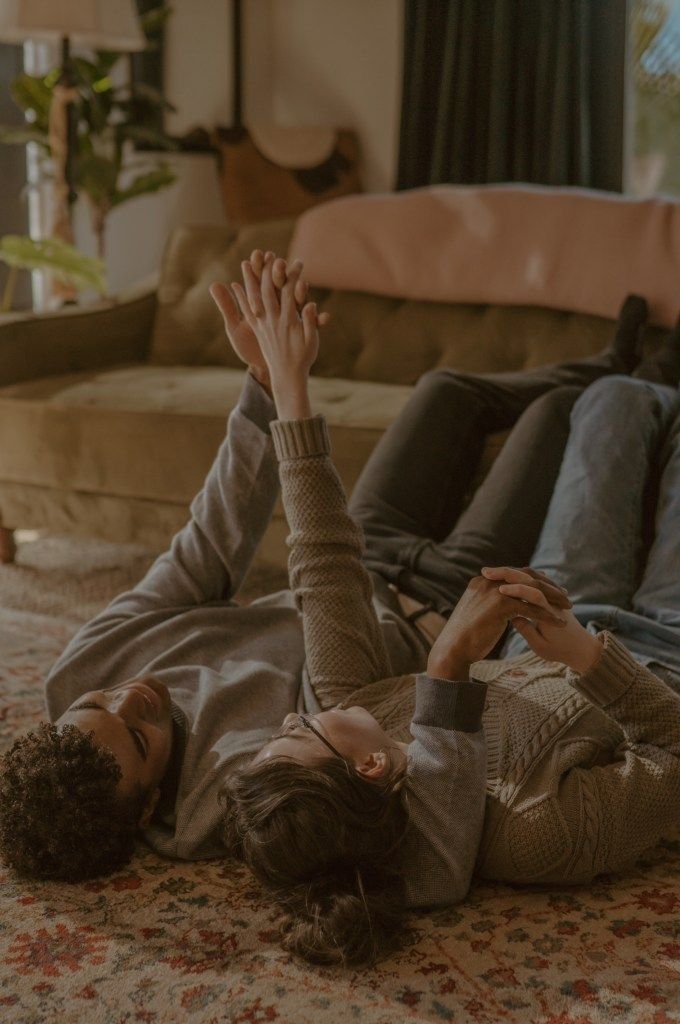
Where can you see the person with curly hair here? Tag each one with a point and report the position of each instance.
(44, 831)
(182, 686)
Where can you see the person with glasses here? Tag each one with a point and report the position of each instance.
(550, 766)
(301, 732)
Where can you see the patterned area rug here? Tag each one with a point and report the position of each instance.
(164, 941)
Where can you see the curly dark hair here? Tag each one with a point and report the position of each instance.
(61, 816)
(327, 845)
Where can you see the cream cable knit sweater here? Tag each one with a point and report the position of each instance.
(583, 772)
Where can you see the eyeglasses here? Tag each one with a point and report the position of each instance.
(302, 720)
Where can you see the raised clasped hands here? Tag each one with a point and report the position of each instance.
(526, 599)
(271, 327)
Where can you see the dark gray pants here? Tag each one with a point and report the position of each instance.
(409, 498)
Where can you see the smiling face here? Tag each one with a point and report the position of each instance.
(134, 722)
(354, 733)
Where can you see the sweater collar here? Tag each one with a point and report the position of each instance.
(170, 781)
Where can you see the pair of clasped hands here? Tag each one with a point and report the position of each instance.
(275, 332)
(273, 329)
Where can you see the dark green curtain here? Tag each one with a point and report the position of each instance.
(498, 90)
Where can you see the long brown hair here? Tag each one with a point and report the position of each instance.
(326, 842)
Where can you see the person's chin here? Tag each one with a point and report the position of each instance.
(356, 711)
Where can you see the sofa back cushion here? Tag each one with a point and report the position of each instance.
(370, 337)
(531, 245)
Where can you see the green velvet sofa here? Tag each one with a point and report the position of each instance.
(111, 416)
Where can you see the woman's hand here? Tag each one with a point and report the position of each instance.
(572, 645)
(481, 617)
(241, 335)
(288, 341)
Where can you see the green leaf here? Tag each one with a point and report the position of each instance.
(22, 136)
(31, 94)
(95, 109)
(153, 21)
(98, 176)
(146, 183)
(85, 70)
(103, 84)
(144, 93)
(106, 60)
(51, 78)
(65, 261)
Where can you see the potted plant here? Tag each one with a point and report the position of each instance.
(109, 118)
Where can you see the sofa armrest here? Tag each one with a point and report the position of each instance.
(75, 339)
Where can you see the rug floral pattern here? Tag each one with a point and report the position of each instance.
(163, 941)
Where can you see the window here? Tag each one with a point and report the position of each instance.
(654, 49)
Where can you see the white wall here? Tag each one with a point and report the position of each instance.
(338, 62)
(137, 231)
(197, 63)
(331, 62)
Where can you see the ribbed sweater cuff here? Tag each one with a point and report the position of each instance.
(449, 704)
(300, 439)
(611, 675)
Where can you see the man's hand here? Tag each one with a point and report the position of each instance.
(480, 619)
(241, 335)
(573, 646)
(502, 574)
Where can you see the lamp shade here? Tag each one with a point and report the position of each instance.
(102, 24)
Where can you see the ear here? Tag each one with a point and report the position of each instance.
(374, 766)
(149, 807)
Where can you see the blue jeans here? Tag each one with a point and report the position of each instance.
(624, 438)
(411, 497)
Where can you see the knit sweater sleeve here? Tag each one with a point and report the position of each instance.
(344, 645)
(633, 802)
(446, 790)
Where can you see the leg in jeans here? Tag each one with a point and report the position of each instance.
(591, 540)
(658, 596)
(413, 486)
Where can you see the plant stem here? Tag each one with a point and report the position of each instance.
(8, 293)
(100, 232)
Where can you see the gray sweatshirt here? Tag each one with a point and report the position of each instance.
(234, 672)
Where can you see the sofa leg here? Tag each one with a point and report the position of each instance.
(8, 547)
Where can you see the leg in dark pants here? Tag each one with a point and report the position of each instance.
(410, 495)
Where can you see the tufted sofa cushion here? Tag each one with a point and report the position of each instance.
(151, 432)
(370, 337)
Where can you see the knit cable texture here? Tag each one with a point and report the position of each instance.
(564, 823)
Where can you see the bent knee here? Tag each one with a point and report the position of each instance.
(558, 400)
(440, 377)
(618, 391)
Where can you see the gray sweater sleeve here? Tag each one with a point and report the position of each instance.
(445, 791)
(209, 557)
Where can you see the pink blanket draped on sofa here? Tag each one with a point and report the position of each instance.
(563, 248)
